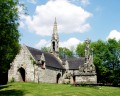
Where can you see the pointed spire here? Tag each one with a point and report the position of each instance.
(55, 21)
(55, 32)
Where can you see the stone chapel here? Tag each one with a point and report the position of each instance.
(33, 65)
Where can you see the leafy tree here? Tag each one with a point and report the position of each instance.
(65, 52)
(112, 61)
(80, 50)
(99, 48)
(45, 49)
(9, 35)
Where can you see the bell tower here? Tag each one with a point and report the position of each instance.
(55, 40)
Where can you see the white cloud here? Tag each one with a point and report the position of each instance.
(85, 2)
(42, 43)
(114, 34)
(32, 1)
(70, 18)
(71, 42)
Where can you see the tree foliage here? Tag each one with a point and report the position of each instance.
(106, 59)
(112, 61)
(9, 35)
(45, 49)
(65, 53)
(80, 49)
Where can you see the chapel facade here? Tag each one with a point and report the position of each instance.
(33, 65)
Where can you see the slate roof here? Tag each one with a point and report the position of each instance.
(50, 59)
(74, 63)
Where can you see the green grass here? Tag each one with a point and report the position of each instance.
(34, 89)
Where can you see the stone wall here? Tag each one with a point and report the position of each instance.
(86, 79)
(22, 60)
(49, 75)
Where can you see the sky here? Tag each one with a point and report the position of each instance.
(77, 20)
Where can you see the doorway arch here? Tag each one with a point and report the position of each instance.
(74, 79)
(22, 73)
(58, 77)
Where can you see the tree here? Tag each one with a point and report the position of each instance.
(112, 61)
(9, 35)
(99, 48)
(80, 50)
(45, 49)
(65, 53)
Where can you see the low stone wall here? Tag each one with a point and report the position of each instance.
(87, 79)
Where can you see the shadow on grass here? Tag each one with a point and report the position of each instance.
(12, 92)
(4, 86)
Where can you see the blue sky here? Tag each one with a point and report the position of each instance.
(77, 20)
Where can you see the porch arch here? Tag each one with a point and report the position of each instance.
(22, 73)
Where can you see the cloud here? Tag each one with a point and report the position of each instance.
(32, 1)
(70, 18)
(114, 34)
(82, 2)
(43, 43)
(85, 2)
(71, 42)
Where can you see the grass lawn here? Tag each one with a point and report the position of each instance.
(34, 89)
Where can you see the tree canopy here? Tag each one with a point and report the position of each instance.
(9, 35)
(65, 52)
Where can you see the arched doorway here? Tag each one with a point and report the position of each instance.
(74, 79)
(22, 73)
(58, 77)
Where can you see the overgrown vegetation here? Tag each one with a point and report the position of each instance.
(34, 89)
